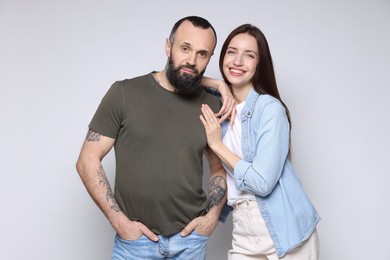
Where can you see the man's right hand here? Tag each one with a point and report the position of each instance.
(132, 230)
(91, 171)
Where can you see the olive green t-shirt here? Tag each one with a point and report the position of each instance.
(159, 145)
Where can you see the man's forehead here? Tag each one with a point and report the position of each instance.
(188, 34)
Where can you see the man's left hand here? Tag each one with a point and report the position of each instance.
(203, 225)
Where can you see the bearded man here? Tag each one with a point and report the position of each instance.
(158, 208)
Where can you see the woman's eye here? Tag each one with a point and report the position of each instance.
(251, 56)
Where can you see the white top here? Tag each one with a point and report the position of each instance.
(232, 140)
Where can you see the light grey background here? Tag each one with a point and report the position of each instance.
(58, 58)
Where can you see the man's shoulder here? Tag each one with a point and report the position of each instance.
(133, 81)
(212, 99)
(131, 84)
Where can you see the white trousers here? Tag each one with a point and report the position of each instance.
(251, 239)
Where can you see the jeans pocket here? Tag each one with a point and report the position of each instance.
(141, 248)
(199, 234)
(130, 240)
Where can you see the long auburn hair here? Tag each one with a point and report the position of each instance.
(264, 80)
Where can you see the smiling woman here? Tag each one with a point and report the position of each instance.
(240, 64)
(264, 192)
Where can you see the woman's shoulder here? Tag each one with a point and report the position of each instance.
(268, 102)
(267, 107)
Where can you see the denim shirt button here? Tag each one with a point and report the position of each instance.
(248, 113)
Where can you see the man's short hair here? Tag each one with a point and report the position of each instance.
(196, 21)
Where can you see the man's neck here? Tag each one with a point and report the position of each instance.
(161, 78)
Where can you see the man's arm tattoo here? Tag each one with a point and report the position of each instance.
(92, 136)
(109, 195)
(217, 190)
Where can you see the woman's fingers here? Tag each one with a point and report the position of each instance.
(208, 114)
(227, 111)
(227, 97)
(233, 116)
(203, 120)
(225, 106)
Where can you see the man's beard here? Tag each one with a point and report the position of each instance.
(184, 83)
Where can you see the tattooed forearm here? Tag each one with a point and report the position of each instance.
(92, 136)
(109, 195)
(217, 190)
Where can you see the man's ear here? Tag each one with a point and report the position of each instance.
(168, 48)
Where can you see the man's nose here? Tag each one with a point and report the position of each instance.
(192, 59)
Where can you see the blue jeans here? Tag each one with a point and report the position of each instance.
(174, 246)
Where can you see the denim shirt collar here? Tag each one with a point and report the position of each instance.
(247, 111)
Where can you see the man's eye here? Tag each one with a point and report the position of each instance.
(202, 54)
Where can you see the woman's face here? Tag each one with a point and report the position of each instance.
(240, 60)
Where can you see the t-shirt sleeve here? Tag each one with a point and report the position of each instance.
(214, 103)
(107, 120)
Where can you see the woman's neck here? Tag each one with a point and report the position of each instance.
(241, 93)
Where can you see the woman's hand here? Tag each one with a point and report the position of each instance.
(214, 137)
(228, 109)
(212, 126)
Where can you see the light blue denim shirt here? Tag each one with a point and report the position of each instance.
(267, 171)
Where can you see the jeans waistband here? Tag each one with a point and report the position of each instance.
(246, 204)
